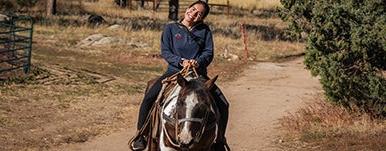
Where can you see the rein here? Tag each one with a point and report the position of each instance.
(184, 72)
(179, 121)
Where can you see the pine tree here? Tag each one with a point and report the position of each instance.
(346, 48)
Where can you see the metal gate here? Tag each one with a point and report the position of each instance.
(15, 43)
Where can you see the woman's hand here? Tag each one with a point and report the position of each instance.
(190, 62)
(185, 63)
(194, 63)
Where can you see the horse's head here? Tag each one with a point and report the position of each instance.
(189, 117)
(194, 111)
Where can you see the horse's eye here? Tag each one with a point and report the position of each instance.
(200, 112)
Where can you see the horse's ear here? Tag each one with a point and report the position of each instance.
(181, 80)
(210, 83)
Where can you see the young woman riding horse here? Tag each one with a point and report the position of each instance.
(183, 43)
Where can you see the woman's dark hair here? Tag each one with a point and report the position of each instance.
(206, 7)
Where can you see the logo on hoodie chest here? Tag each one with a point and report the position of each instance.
(178, 36)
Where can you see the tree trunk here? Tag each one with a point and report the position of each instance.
(173, 10)
(51, 7)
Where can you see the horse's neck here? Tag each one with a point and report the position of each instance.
(171, 100)
(191, 75)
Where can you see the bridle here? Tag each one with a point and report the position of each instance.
(176, 122)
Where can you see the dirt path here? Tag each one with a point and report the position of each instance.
(264, 93)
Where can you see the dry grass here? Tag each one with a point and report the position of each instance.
(107, 8)
(257, 4)
(250, 4)
(37, 117)
(323, 126)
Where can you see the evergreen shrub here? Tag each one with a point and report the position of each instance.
(346, 48)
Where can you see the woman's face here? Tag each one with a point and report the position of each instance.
(194, 13)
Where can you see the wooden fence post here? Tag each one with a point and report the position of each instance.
(244, 36)
(228, 7)
(51, 7)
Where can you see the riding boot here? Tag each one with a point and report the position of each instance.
(139, 144)
(223, 107)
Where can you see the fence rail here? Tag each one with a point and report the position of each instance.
(162, 4)
(15, 43)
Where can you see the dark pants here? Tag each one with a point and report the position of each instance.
(152, 94)
(173, 10)
(149, 99)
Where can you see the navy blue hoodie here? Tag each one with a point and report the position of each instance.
(178, 44)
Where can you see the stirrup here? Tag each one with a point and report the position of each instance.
(138, 144)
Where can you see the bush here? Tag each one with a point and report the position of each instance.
(70, 7)
(121, 3)
(6, 5)
(26, 3)
(34, 7)
(346, 47)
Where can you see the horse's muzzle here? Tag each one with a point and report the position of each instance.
(184, 146)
